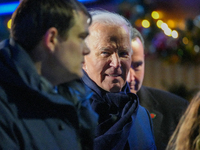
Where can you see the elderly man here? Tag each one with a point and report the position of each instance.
(123, 123)
(46, 48)
(165, 108)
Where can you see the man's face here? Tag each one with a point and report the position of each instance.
(70, 53)
(110, 58)
(136, 73)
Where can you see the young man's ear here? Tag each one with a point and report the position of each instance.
(50, 38)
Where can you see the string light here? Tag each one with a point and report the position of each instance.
(174, 34)
(9, 24)
(185, 40)
(138, 22)
(145, 23)
(196, 48)
(168, 31)
(155, 15)
(171, 23)
(164, 26)
(159, 23)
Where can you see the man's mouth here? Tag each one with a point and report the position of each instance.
(114, 75)
(132, 84)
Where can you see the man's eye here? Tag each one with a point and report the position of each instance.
(136, 65)
(82, 37)
(123, 54)
(105, 53)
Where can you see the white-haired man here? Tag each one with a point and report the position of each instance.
(123, 123)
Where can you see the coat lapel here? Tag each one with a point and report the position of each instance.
(148, 101)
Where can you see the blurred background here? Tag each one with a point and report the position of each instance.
(171, 29)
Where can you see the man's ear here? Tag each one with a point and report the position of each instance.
(50, 38)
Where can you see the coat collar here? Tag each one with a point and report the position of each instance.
(26, 69)
(20, 72)
(152, 105)
(147, 100)
(93, 86)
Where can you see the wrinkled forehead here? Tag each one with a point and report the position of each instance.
(102, 35)
(109, 28)
(109, 32)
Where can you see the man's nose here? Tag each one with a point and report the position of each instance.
(115, 62)
(86, 49)
(131, 75)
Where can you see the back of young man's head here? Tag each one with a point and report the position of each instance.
(33, 18)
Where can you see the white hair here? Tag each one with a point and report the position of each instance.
(109, 18)
(103, 17)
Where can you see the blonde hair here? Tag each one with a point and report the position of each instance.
(187, 134)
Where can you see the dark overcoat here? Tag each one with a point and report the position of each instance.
(165, 109)
(123, 123)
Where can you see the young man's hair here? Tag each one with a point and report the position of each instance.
(137, 34)
(33, 18)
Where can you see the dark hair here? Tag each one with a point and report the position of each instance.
(135, 34)
(33, 18)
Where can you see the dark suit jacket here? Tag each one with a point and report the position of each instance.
(165, 109)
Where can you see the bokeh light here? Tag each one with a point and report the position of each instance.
(164, 26)
(196, 48)
(185, 40)
(155, 15)
(9, 24)
(145, 23)
(171, 23)
(174, 34)
(159, 23)
(168, 31)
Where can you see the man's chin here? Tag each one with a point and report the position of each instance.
(111, 86)
(115, 89)
(133, 91)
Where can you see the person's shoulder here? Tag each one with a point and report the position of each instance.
(164, 99)
(163, 95)
(4, 44)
